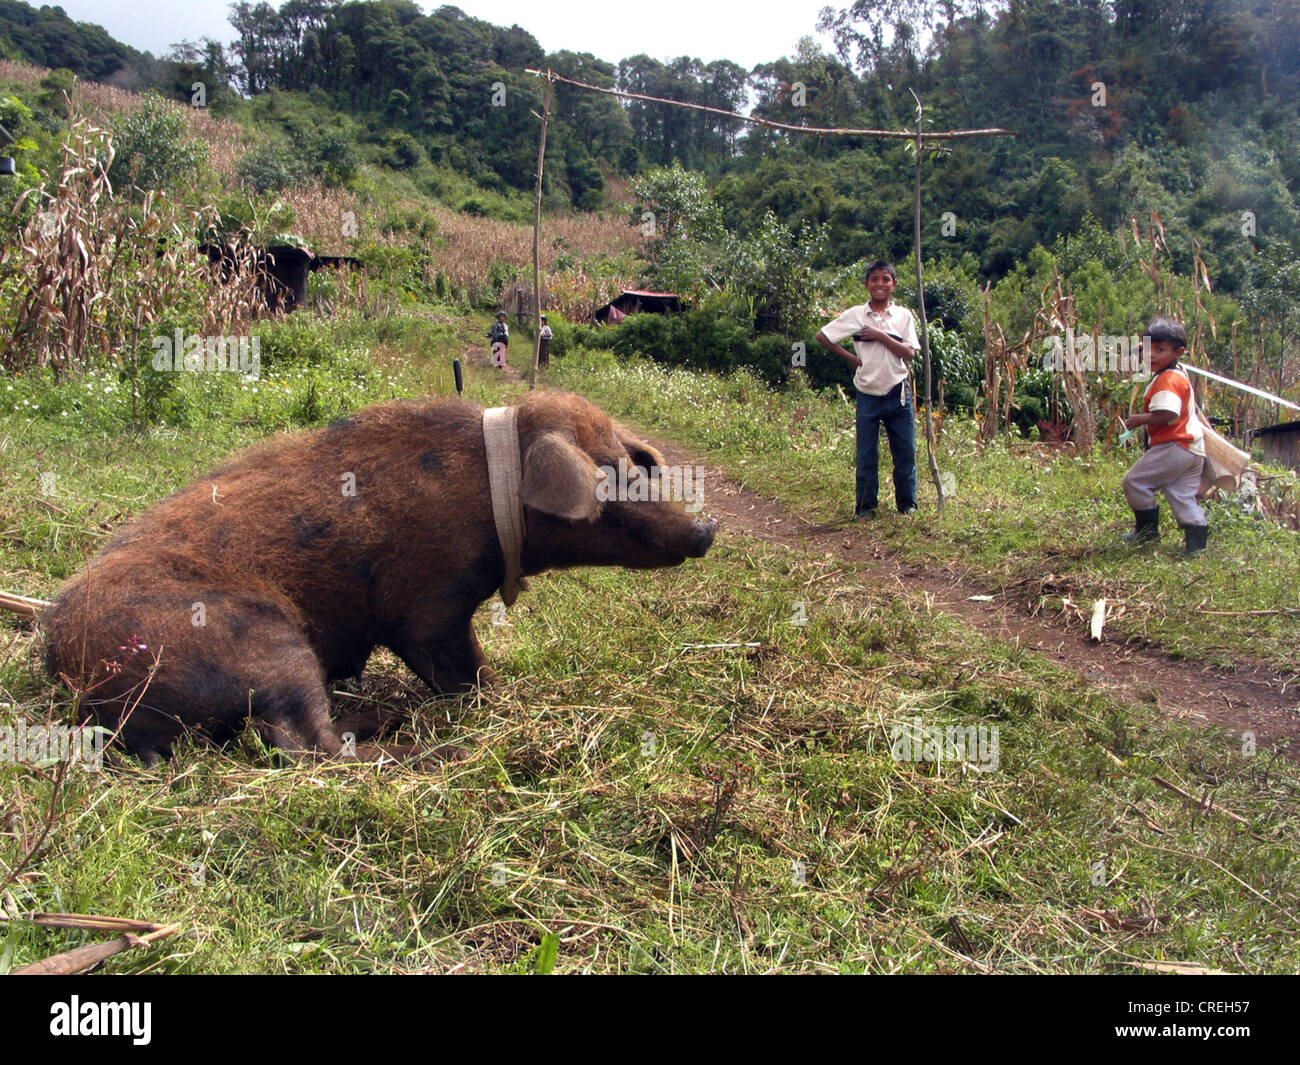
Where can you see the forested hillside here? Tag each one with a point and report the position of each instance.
(1188, 107)
(48, 38)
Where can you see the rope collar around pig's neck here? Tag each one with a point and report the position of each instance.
(501, 437)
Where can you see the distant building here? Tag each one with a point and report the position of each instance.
(1281, 443)
(634, 301)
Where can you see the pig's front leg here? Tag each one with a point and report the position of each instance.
(449, 662)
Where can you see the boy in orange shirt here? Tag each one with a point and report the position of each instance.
(1172, 464)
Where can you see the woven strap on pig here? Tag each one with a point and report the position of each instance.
(501, 436)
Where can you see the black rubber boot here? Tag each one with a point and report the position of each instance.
(1146, 529)
(1196, 537)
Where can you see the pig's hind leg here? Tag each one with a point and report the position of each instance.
(285, 691)
(294, 718)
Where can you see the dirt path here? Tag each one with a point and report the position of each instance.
(1248, 699)
(481, 356)
(1251, 698)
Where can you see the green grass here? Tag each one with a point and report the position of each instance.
(1021, 513)
(648, 805)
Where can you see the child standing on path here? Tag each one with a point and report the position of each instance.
(1172, 464)
(544, 344)
(499, 334)
(885, 343)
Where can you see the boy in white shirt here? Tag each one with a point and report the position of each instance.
(885, 343)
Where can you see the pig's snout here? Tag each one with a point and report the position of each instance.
(703, 530)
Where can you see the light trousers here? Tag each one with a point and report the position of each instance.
(1172, 469)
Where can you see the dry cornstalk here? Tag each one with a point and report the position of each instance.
(98, 273)
(1060, 315)
(80, 959)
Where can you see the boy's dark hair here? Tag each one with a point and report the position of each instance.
(1167, 329)
(880, 264)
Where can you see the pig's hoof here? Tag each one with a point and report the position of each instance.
(450, 753)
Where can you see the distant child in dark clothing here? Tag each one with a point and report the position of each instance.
(544, 344)
(499, 334)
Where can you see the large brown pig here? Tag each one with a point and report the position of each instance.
(241, 596)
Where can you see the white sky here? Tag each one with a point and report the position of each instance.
(741, 32)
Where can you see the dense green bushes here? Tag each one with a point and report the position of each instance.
(721, 335)
(153, 151)
(718, 335)
(271, 166)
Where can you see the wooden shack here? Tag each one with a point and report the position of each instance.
(1281, 443)
(636, 301)
(282, 271)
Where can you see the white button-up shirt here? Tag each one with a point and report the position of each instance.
(881, 369)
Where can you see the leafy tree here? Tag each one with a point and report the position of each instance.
(675, 210)
(152, 150)
(679, 203)
(774, 269)
(255, 27)
(666, 133)
(597, 122)
(271, 166)
(204, 62)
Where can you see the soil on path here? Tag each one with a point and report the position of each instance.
(480, 356)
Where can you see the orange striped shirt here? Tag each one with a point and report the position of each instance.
(1171, 391)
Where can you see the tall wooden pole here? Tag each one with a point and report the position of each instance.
(945, 135)
(920, 300)
(537, 237)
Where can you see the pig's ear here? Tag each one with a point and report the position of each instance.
(560, 479)
(642, 453)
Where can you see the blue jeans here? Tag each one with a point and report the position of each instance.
(896, 411)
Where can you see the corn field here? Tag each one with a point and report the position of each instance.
(92, 275)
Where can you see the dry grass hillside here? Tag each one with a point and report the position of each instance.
(470, 246)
